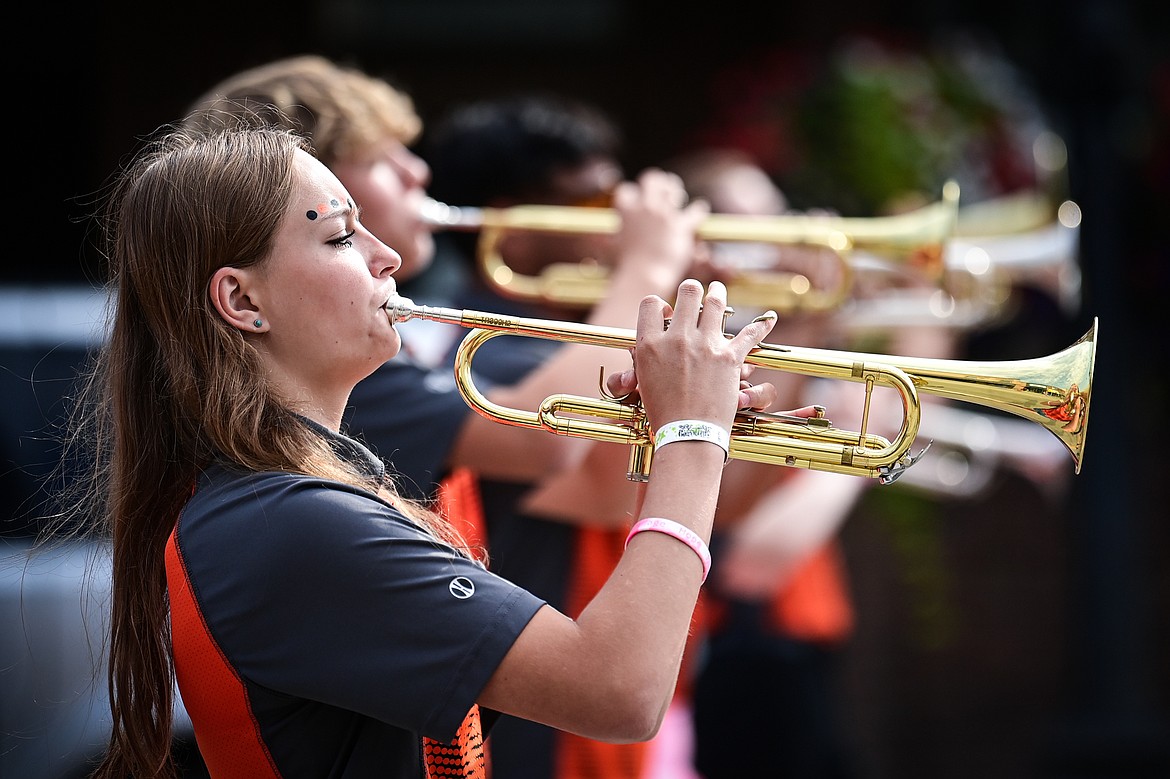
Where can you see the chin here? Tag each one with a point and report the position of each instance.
(395, 348)
(388, 347)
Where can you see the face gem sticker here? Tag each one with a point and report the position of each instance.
(313, 214)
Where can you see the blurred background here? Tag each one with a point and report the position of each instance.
(1012, 634)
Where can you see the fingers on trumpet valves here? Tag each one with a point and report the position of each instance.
(758, 329)
(806, 412)
(756, 397)
(619, 386)
(713, 309)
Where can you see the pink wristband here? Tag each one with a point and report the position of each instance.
(681, 532)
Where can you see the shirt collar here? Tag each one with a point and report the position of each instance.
(353, 452)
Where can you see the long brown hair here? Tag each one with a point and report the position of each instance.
(176, 386)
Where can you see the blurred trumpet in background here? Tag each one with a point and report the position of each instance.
(981, 273)
(971, 449)
(939, 265)
(914, 240)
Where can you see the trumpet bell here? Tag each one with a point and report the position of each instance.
(1052, 391)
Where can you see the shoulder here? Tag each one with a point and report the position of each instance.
(279, 509)
(249, 532)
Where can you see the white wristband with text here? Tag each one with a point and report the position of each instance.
(694, 430)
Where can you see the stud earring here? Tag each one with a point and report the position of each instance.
(258, 323)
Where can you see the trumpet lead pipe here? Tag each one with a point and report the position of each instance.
(404, 309)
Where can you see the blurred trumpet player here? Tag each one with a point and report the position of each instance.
(779, 609)
(486, 156)
(483, 157)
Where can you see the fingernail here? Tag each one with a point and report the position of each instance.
(764, 317)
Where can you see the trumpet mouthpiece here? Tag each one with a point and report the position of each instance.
(399, 309)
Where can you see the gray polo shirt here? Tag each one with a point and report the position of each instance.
(353, 632)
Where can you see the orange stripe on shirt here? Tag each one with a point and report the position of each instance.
(596, 553)
(464, 757)
(228, 735)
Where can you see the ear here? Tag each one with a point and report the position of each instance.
(232, 294)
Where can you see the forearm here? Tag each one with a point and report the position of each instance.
(625, 648)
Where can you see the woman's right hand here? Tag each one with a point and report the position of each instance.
(691, 369)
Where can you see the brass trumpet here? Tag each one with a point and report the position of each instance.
(999, 246)
(1051, 391)
(919, 235)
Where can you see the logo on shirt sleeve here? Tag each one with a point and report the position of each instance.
(461, 587)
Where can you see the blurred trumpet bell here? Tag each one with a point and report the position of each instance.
(1046, 259)
(981, 274)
